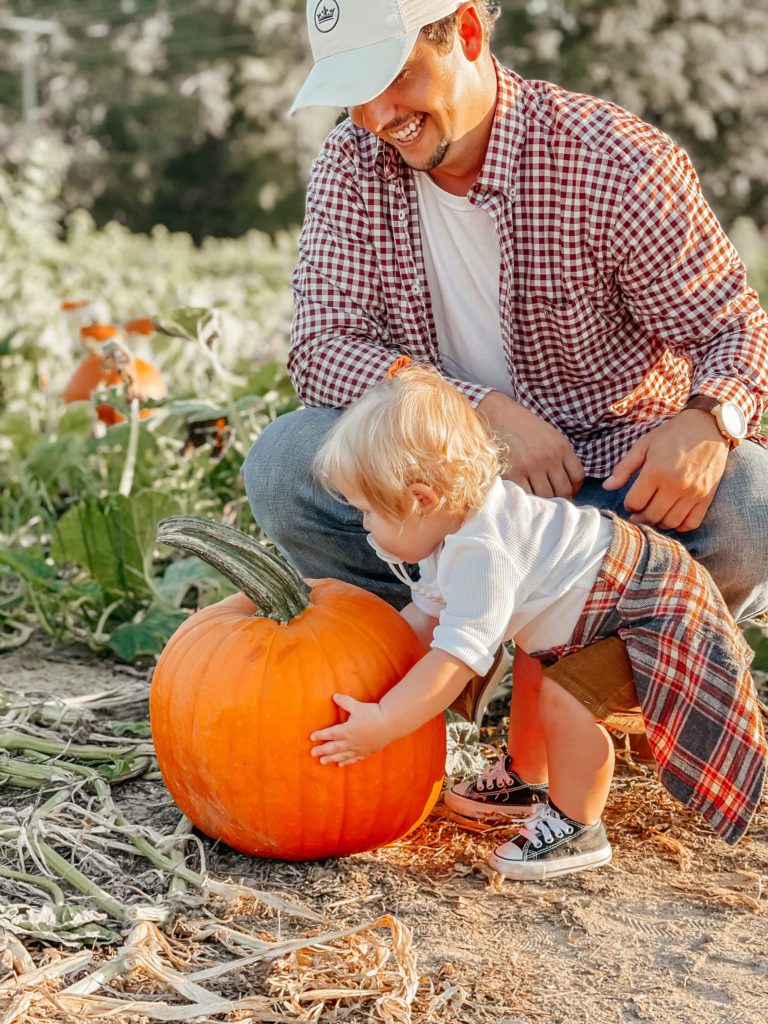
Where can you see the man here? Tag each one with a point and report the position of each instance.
(553, 255)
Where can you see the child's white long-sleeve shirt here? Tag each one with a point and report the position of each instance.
(519, 568)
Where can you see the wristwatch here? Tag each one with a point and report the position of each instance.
(731, 421)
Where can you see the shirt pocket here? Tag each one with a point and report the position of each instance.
(572, 338)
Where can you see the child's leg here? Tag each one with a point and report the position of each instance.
(527, 744)
(579, 754)
(565, 834)
(514, 782)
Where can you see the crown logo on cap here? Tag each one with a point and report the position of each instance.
(326, 16)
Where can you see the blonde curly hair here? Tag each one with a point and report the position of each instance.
(412, 428)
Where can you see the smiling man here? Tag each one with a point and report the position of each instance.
(553, 256)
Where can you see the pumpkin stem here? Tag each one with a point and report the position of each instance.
(266, 577)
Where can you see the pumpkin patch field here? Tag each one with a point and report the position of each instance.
(167, 850)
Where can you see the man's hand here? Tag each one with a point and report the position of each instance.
(681, 463)
(364, 732)
(540, 459)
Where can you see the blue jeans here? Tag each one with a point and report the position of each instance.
(324, 537)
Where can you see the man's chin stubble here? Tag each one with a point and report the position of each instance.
(435, 160)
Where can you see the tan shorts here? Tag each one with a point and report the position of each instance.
(600, 677)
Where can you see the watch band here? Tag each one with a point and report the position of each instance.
(713, 405)
(703, 402)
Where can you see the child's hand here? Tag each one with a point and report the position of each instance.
(364, 732)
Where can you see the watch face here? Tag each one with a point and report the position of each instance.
(733, 419)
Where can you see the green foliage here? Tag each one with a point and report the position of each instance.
(174, 113)
(695, 68)
(170, 113)
(113, 539)
(79, 503)
(147, 635)
(758, 641)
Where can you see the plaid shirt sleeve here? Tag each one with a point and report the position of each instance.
(682, 279)
(340, 341)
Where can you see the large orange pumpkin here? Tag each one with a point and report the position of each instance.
(242, 684)
(92, 372)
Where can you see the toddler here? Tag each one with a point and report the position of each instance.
(496, 564)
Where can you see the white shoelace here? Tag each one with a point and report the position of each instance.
(495, 776)
(543, 825)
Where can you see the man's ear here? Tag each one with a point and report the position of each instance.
(425, 496)
(470, 30)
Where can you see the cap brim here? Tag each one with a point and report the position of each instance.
(355, 76)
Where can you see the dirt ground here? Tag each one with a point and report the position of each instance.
(675, 929)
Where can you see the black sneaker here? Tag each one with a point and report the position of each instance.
(499, 790)
(550, 844)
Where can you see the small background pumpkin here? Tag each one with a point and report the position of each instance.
(99, 369)
(240, 686)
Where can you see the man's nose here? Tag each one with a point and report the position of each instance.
(374, 115)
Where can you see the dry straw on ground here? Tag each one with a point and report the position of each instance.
(194, 947)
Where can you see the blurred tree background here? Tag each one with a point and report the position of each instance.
(173, 111)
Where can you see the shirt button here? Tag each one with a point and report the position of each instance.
(401, 215)
(417, 289)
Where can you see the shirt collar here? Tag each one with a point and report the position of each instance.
(506, 140)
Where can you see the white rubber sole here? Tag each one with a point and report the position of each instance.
(472, 809)
(539, 870)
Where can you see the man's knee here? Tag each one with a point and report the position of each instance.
(278, 466)
(732, 542)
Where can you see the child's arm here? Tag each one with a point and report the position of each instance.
(430, 686)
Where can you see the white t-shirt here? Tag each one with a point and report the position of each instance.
(519, 568)
(462, 260)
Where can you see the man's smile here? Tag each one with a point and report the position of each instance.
(409, 131)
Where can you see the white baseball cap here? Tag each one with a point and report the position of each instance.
(360, 46)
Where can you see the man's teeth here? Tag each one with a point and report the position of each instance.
(409, 131)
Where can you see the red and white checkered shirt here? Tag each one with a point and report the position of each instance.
(619, 292)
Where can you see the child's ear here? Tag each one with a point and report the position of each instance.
(425, 497)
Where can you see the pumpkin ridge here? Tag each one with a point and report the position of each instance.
(226, 650)
(175, 708)
(374, 799)
(371, 636)
(258, 724)
(342, 780)
(211, 615)
(390, 757)
(188, 662)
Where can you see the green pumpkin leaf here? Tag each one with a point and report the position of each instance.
(192, 574)
(27, 564)
(758, 641)
(270, 377)
(134, 730)
(195, 410)
(189, 323)
(20, 430)
(60, 924)
(76, 421)
(5, 342)
(113, 537)
(51, 459)
(149, 635)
